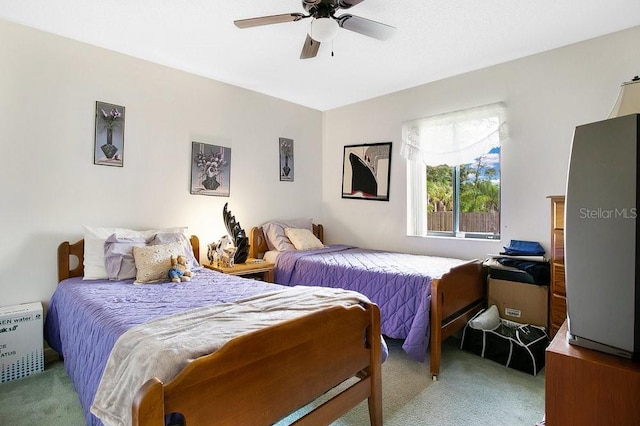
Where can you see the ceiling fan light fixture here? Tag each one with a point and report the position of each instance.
(324, 29)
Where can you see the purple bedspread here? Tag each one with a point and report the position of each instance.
(399, 283)
(85, 318)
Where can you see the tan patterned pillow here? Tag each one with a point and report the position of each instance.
(303, 239)
(153, 262)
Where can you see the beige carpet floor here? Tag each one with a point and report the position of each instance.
(470, 391)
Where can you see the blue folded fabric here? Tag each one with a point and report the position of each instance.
(524, 248)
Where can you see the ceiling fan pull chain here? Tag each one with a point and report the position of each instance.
(332, 48)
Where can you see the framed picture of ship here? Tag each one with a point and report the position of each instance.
(366, 171)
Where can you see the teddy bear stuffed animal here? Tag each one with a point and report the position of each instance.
(179, 269)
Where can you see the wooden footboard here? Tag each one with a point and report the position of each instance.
(455, 298)
(261, 377)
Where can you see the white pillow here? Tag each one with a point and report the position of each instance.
(153, 262)
(94, 239)
(303, 239)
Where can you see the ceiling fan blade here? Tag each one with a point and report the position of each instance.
(366, 27)
(310, 48)
(346, 4)
(268, 20)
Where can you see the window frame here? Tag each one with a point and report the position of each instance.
(456, 232)
(424, 143)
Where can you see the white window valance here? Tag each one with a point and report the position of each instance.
(454, 138)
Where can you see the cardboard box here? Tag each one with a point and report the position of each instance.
(520, 302)
(21, 341)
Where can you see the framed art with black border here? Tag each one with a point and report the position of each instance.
(108, 147)
(210, 169)
(366, 171)
(286, 159)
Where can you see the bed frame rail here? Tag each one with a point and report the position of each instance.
(455, 298)
(262, 377)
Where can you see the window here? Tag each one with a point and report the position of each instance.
(453, 173)
(464, 200)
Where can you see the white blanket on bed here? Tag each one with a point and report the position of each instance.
(163, 347)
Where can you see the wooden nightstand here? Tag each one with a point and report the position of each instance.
(261, 269)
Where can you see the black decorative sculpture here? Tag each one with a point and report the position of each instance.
(237, 234)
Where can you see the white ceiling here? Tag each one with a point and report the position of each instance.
(435, 39)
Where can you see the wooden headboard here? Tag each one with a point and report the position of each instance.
(258, 242)
(66, 250)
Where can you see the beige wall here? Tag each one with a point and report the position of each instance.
(547, 95)
(50, 187)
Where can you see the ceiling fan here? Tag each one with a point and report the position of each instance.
(325, 24)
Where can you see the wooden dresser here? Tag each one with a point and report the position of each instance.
(586, 387)
(557, 293)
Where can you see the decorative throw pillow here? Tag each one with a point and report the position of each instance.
(153, 262)
(303, 239)
(276, 237)
(118, 256)
(94, 239)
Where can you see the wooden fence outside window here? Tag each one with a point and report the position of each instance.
(469, 222)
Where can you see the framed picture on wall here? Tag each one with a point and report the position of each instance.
(109, 136)
(366, 171)
(210, 169)
(286, 159)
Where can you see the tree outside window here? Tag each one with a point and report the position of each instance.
(465, 198)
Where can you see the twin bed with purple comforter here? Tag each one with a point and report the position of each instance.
(410, 289)
(87, 319)
(399, 283)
